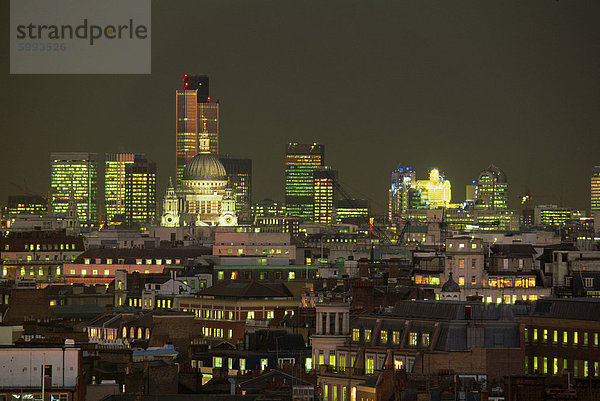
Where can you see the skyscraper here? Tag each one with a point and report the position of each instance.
(239, 174)
(300, 162)
(140, 191)
(595, 191)
(114, 183)
(402, 194)
(492, 189)
(324, 179)
(79, 171)
(352, 210)
(195, 115)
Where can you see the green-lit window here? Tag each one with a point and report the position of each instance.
(586, 369)
(555, 336)
(242, 364)
(565, 337)
(585, 338)
(554, 366)
(576, 368)
(355, 335)
(370, 365)
(595, 339)
(217, 362)
(535, 363)
(526, 364)
(220, 275)
(326, 392)
(545, 368)
(535, 332)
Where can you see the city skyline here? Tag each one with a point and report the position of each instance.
(520, 79)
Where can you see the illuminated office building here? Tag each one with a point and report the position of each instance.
(349, 210)
(491, 189)
(239, 174)
(195, 115)
(595, 191)
(300, 162)
(140, 191)
(553, 216)
(114, 183)
(436, 191)
(77, 170)
(402, 193)
(26, 204)
(267, 208)
(324, 179)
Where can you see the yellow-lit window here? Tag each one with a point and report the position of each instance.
(367, 333)
(425, 339)
(545, 336)
(412, 339)
(461, 263)
(555, 336)
(383, 336)
(461, 280)
(535, 335)
(575, 338)
(355, 335)
(565, 337)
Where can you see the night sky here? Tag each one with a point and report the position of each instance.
(453, 84)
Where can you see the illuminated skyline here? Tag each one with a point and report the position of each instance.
(377, 84)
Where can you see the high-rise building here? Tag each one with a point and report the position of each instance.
(595, 191)
(300, 162)
(352, 210)
(239, 174)
(26, 204)
(554, 216)
(402, 194)
(196, 115)
(492, 189)
(114, 183)
(140, 191)
(79, 171)
(436, 191)
(324, 179)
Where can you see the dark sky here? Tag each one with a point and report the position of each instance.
(454, 84)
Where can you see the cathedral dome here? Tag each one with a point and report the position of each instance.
(204, 166)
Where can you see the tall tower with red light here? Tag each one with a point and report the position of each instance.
(197, 118)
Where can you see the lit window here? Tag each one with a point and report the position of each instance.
(425, 339)
(396, 337)
(383, 336)
(412, 339)
(367, 335)
(355, 335)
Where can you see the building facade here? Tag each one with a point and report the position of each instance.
(79, 171)
(196, 115)
(300, 162)
(140, 191)
(491, 189)
(324, 179)
(114, 183)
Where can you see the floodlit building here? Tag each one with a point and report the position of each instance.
(300, 162)
(436, 191)
(79, 171)
(196, 116)
(491, 189)
(204, 199)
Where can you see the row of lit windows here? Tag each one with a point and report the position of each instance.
(545, 365)
(262, 275)
(563, 336)
(109, 261)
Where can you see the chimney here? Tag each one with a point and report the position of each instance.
(363, 269)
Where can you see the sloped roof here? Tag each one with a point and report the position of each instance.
(568, 308)
(246, 289)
